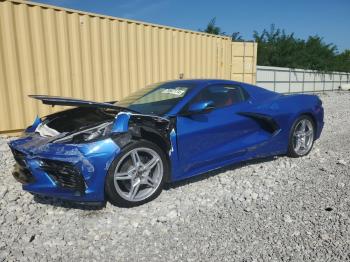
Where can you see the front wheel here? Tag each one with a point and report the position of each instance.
(137, 175)
(301, 137)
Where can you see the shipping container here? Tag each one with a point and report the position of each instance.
(51, 50)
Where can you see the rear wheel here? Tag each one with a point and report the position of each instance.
(302, 136)
(137, 175)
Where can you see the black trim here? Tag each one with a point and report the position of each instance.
(266, 122)
(21, 172)
(65, 174)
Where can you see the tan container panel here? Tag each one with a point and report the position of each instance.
(86, 62)
(106, 59)
(249, 49)
(248, 64)
(237, 65)
(57, 51)
(123, 59)
(148, 54)
(237, 49)
(5, 108)
(249, 78)
(237, 77)
(26, 66)
(243, 48)
(255, 57)
(11, 66)
(243, 61)
(115, 61)
(238, 62)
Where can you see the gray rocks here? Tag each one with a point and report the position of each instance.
(271, 210)
(288, 219)
(341, 162)
(172, 214)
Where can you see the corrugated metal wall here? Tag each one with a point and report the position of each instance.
(244, 59)
(56, 51)
(289, 80)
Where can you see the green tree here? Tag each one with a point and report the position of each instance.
(212, 28)
(342, 61)
(236, 36)
(277, 48)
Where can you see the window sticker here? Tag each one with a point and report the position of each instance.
(179, 91)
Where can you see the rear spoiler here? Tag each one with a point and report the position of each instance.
(67, 101)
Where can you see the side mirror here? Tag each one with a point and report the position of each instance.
(201, 107)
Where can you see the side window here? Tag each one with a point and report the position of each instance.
(222, 95)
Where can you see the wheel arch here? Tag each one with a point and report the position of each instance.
(162, 143)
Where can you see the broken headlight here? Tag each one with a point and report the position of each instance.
(88, 135)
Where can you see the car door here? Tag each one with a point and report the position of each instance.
(208, 140)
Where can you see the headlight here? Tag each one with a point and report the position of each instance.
(90, 134)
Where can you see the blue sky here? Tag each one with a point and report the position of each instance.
(326, 18)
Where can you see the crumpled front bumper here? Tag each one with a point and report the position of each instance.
(89, 162)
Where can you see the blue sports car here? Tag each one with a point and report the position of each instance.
(125, 151)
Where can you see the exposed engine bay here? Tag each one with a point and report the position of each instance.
(76, 124)
(92, 121)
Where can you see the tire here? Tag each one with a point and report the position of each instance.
(133, 179)
(301, 137)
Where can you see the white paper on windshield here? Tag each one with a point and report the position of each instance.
(177, 91)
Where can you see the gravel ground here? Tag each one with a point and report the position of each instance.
(277, 209)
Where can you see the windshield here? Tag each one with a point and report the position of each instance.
(156, 99)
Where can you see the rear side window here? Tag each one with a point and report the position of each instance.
(222, 95)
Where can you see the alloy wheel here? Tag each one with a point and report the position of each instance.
(303, 137)
(138, 174)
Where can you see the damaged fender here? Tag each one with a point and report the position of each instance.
(35, 124)
(129, 127)
(121, 123)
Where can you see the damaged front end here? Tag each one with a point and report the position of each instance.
(68, 154)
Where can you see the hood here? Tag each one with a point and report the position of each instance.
(85, 115)
(67, 101)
